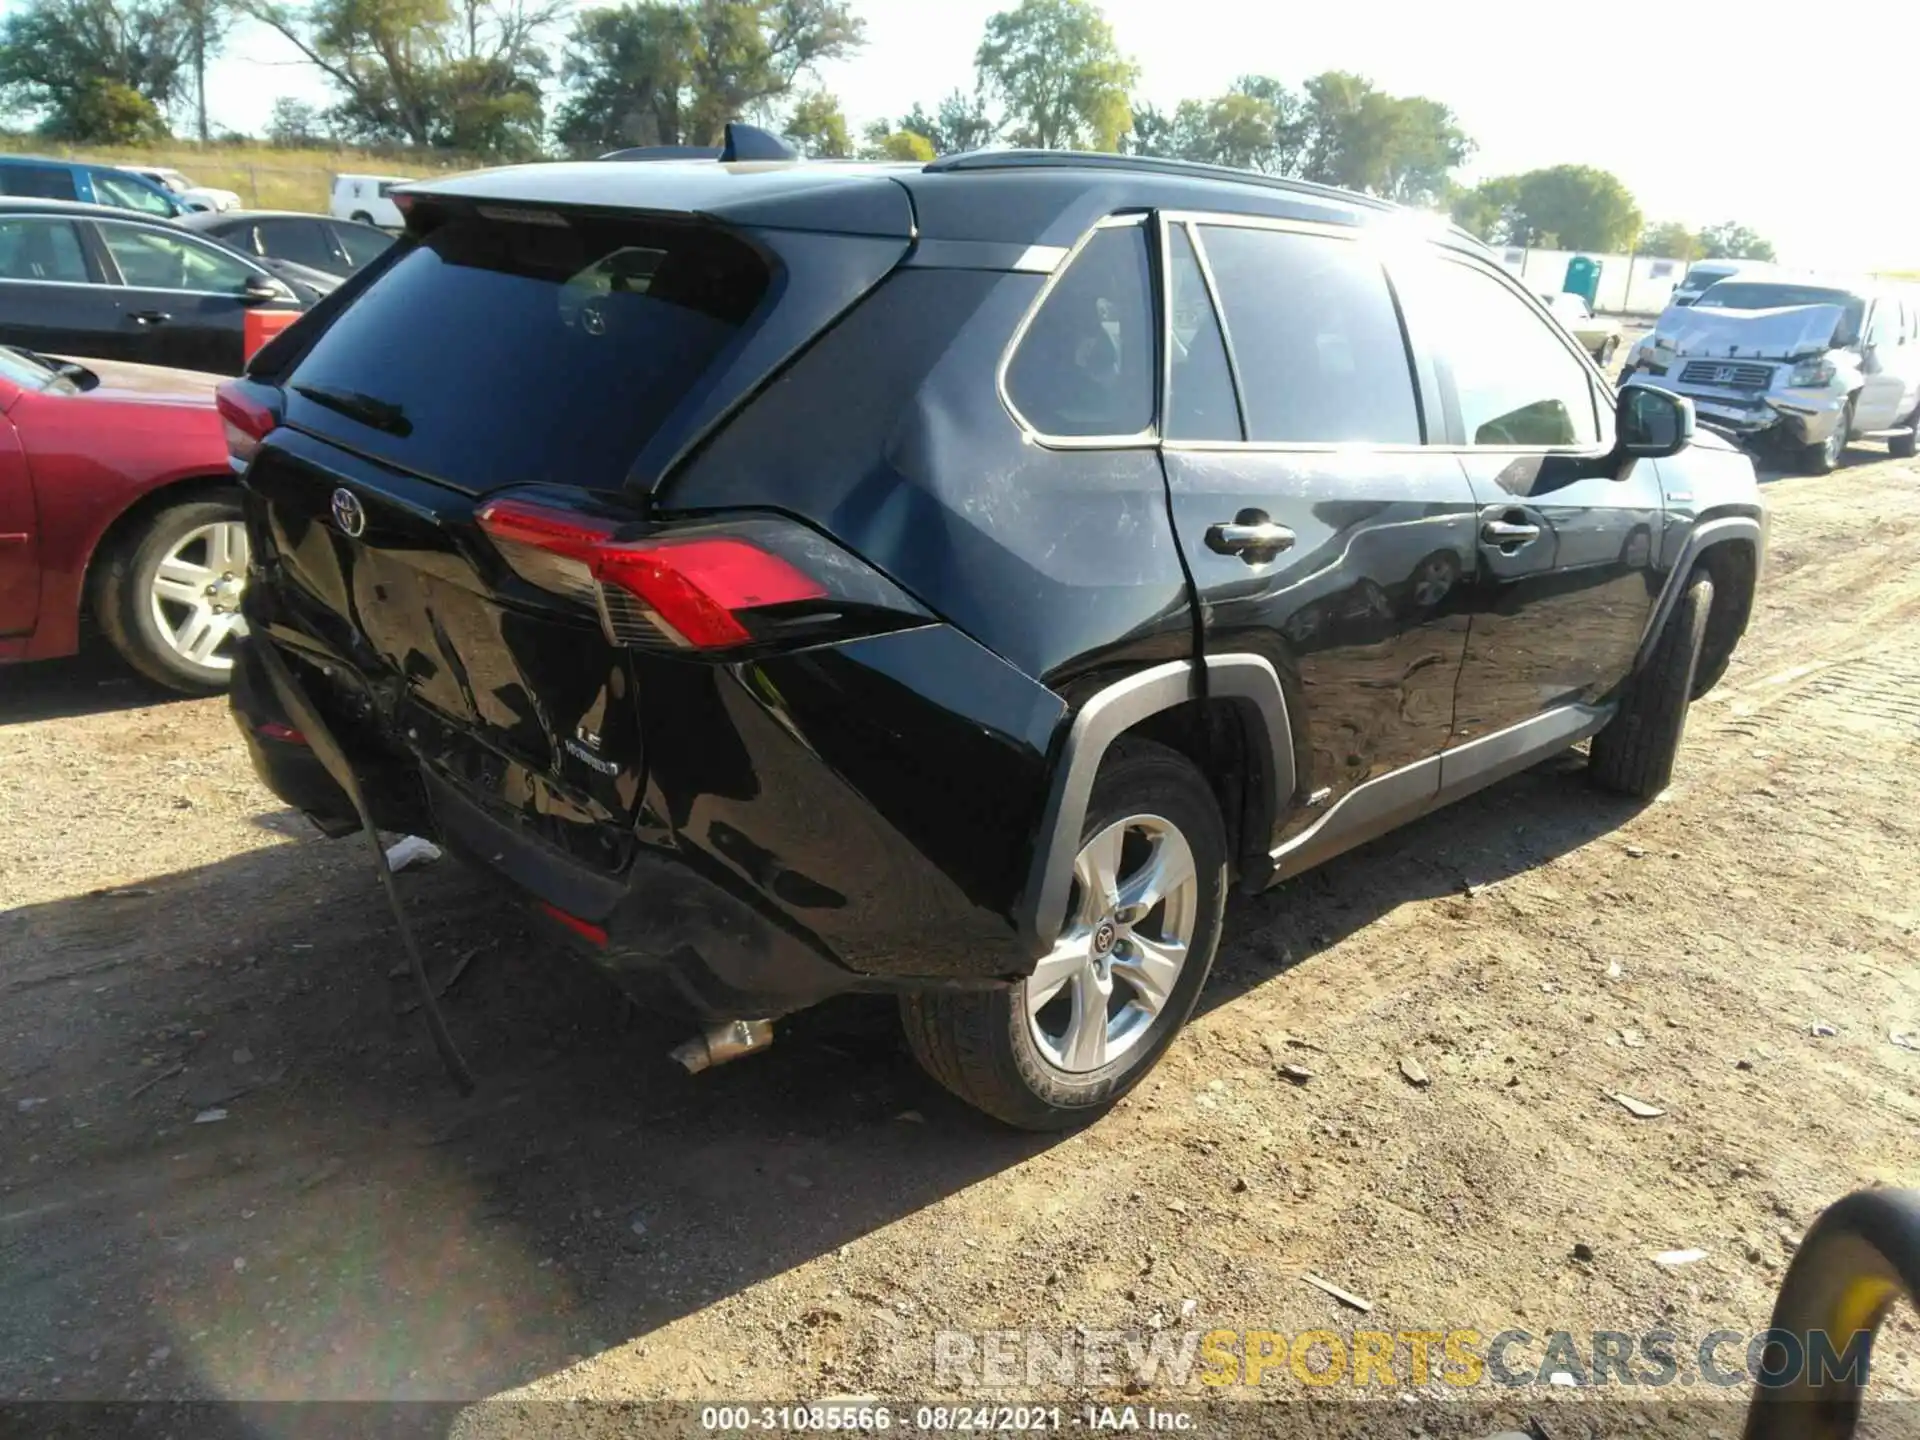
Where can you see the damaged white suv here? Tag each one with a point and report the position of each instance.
(1796, 367)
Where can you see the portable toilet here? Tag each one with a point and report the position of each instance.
(1583, 279)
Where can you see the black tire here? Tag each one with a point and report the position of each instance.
(122, 588)
(979, 1044)
(361, 217)
(1905, 447)
(1607, 348)
(1634, 754)
(1824, 458)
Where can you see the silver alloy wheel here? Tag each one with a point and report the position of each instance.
(1433, 581)
(1837, 441)
(1137, 899)
(196, 594)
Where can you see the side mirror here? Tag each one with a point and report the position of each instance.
(1652, 423)
(259, 289)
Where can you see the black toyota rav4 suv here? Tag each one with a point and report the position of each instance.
(949, 580)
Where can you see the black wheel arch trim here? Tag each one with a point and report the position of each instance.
(1719, 530)
(1101, 720)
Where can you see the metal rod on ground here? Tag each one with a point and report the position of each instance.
(325, 749)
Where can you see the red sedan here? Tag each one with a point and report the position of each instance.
(116, 498)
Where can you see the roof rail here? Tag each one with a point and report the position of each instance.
(744, 142)
(1146, 164)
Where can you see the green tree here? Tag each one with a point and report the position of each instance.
(1357, 136)
(101, 71)
(886, 144)
(959, 123)
(1670, 239)
(1572, 207)
(818, 127)
(1484, 210)
(455, 74)
(1731, 241)
(294, 125)
(674, 72)
(1058, 75)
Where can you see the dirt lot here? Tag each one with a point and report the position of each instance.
(594, 1223)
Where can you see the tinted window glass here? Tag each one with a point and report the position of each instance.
(1759, 295)
(1316, 338)
(523, 353)
(1200, 403)
(42, 182)
(129, 194)
(1513, 377)
(1085, 365)
(37, 249)
(361, 243)
(154, 260)
(301, 241)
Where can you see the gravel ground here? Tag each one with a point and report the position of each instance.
(593, 1223)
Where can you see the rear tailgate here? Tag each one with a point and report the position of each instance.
(502, 349)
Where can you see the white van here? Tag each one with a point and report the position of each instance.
(367, 198)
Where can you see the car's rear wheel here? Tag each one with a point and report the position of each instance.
(1634, 754)
(1823, 457)
(362, 217)
(1607, 348)
(1060, 1046)
(168, 593)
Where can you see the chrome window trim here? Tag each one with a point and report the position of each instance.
(1146, 439)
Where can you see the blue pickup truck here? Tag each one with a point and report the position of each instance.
(39, 178)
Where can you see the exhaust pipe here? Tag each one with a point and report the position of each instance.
(720, 1043)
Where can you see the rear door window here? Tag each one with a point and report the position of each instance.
(1085, 366)
(1316, 338)
(1200, 398)
(33, 248)
(499, 352)
(361, 244)
(39, 182)
(302, 241)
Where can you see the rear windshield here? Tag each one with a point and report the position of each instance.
(500, 352)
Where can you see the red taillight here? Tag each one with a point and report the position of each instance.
(246, 419)
(690, 590)
(696, 586)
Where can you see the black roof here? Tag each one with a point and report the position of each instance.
(1021, 197)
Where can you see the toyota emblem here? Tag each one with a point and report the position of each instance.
(349, 514)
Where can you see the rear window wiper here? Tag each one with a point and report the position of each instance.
(369, 410)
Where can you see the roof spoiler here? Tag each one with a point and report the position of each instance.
(743, 142)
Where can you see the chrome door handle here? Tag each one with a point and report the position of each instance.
(1237, 537)
(1505, 532)
(150, 317)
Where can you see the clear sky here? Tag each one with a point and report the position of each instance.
(1801, 121)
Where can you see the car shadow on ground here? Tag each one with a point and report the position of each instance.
(1462, 849)
(94, 682)
(228, 1166)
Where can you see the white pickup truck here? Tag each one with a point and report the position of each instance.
(1801, 367)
